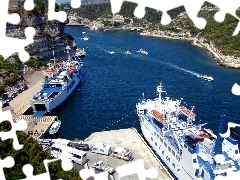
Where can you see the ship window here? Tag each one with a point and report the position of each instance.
(236, 151)
(178, 158)
(194, 160)
(154, 133)
(157, 136)
(165, 144)
(173, 153)
(155, 144)
(151, 138)
(169, 148)
(161, 139)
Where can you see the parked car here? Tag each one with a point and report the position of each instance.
(103, 167)
(83, 147)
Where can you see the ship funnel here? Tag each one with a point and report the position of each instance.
(218, 145)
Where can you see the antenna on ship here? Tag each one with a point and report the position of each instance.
(54, 60)
(159, 90)
(218, 146)
(68, 48)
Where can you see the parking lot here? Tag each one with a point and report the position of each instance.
(126, 138)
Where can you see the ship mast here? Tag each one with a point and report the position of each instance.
(218, 147)
(159, 90)
(68, 48)
(54, 60)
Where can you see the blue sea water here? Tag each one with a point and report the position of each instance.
(114, 82)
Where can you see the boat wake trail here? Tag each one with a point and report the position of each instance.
(187, 71)
(104, 49)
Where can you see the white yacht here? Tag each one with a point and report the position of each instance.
(206, 77)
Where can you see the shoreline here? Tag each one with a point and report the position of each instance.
(222, 60)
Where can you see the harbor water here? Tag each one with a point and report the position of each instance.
(112, 83)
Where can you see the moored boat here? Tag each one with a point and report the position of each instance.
(190, 151)
(58, 85)
(55, 127)
(80, 52)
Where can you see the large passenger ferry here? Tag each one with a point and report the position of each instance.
(58, 85)
(190, 151)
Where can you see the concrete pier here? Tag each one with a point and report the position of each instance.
(132, 140)
(37, 124)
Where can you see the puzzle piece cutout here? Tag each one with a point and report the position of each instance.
(8, 162)
(137, 167)
(236, 89)
(87, 173)
(28, 171)
(17, 45)
(192, 9)
(19, 126)
(65, 162)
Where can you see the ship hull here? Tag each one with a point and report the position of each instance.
(62, 96)
(162, 151)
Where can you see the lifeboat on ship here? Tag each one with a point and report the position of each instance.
(187, 112)
(202, 136)
(158, 116)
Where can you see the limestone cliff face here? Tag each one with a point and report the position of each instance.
(49, 35)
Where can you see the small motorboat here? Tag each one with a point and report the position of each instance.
(143, 52)
(55, 127)
(85, 38)
(206, 77)
(111, 52)
(127, 52)
(80, 52)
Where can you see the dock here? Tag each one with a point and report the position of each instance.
(132, 140)
(37, 124)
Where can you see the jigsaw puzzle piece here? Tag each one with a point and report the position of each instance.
(19, 126)
(226, 7)
(87, 173)
(227, 133)
(192, 8)
(66, 163)
(28, 171)
(17, 45)
(137, 167)
(8, 162)
(53, 15)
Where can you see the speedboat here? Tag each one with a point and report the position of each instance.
(127, 52)
(206, 77)
(111, 52)
(143, 52)
(55, 127)
(85, 38)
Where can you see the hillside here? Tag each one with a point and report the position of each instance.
(215, 36)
